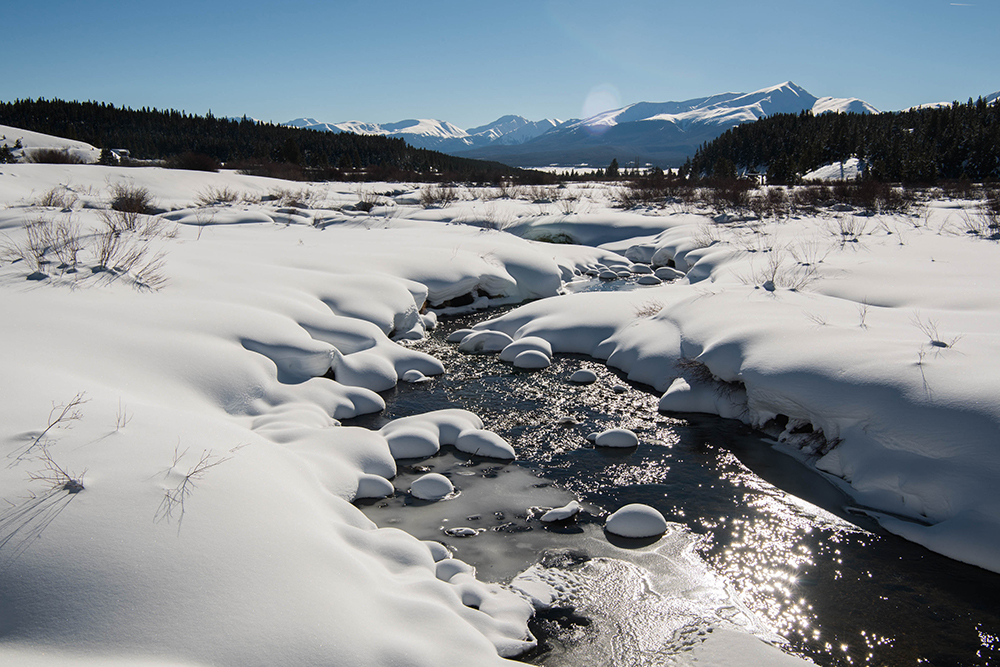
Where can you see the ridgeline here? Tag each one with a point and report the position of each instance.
(186, 140)
(918, 146)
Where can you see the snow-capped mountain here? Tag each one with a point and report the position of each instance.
(510, 130)
(663, 133)
(441, 135)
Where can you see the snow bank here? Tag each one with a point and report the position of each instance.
(869, 341)
(206, 450)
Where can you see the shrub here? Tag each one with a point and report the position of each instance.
(437, 195)
(211, 196)
(52, 156)
(57, 197)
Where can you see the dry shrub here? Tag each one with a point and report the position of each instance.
(57, 197)
(437, 195)
(212, 196)
(52, 156)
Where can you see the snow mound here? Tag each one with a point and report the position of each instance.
(583, 376)
(636, 521)
(485, 341)
(532, 359)
(432, 486)
(617, 437)
(421, 436)
(511, 351)
(562, 513)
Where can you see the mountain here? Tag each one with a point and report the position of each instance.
(440, 135)
(663, 133)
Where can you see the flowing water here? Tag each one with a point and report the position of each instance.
(758, 541)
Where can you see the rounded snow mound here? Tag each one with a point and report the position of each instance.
(485, 341)
(532, 359)
(617, 437)
(583, 376)
(520, 345)
(484, 443)
(636, 521)
(432, 486)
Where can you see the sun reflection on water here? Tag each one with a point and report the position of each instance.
(767, 555)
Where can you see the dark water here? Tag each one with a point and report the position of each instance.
(836, 587)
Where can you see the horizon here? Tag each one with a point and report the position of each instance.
(562, 60)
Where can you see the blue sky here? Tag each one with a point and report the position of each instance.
(468, 62)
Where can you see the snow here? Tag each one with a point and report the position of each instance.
(432, 486)
(567, 511)
(636, 521)
(208, 437)
(9, 136)
(616, 437)
(583, 376)
(847, 170)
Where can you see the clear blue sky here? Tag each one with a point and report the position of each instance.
(469, 62)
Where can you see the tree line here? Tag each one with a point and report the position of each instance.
(919, 146)
(207, 141)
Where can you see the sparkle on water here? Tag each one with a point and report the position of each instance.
(800, 567)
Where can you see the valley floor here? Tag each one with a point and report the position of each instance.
(176, 480)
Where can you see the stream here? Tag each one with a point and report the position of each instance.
(758, 541)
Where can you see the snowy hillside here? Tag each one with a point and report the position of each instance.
(32, 141)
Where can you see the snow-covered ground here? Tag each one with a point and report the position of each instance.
(177, 485)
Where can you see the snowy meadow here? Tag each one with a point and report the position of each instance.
(180, 348)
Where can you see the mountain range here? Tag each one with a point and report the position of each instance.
(662, 133)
